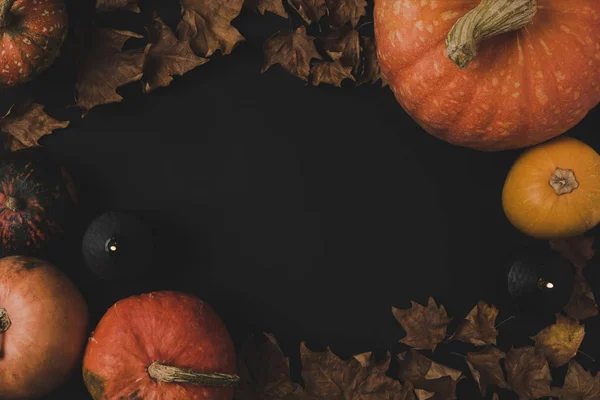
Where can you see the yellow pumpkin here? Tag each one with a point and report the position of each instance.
(553, 190)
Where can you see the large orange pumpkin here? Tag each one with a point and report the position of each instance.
(553, 190)
(491, 74)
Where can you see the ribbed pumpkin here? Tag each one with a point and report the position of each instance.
(31, 35)
(491, 74)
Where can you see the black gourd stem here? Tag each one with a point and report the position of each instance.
(5, 7)
(167, 373)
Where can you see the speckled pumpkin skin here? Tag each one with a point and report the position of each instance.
(174, 328)
(31, 41)
(523, 88)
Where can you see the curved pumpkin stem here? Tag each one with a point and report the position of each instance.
(5, 7)
(489, 18)
(166, 373)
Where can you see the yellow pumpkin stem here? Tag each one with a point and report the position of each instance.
(166, 373)
(5, 7)
(489, 18)
(563, 181)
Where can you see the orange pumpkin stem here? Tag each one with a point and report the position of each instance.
(5, 7)
(4, 321)
(563, 181)
(12, 204)
(166, 373)
(489, 18)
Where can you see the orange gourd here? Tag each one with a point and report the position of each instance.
(492, 74)
(553, 189)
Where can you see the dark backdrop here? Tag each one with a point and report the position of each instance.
(305, 212)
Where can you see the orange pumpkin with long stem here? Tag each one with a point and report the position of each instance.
(553, 190)
(491, 74)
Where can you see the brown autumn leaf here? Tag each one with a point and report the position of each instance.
(264, 6)
(578, 250)
(582, 304)
(113, 5)
(310, 10)
(292, 50)
(104, 67)
(24, 126)
(331, 72)
(528, 373)
(579, 384)
(486, 369)
(560, 342)
(344, 45)
(428, 377)
(478, 328)
(207, 25)
(371, 72)
(328, 377)
(342, 12)
(425, 326)
(166, 56)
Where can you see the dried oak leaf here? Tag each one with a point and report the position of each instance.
(579, 384)
(425, 326)
(560, 342)
(342, 12)
(207, 25)
(104, 67)
(310, 10)
(578, 250)
(166, 56)
(582, 304)
(328, 377)
(486, 369)
(478, 328)
(428, 377)
(344, 45)
(331, 72)
(24, 126)
(528, 373)
(264, 6)
(371, 72)
(112, 5)
(292, 50)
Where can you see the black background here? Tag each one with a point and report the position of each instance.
(305, 212)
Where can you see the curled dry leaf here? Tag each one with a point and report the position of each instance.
(528, 373)
(112, 5)
(166, 56)
(429, 378)
(264, 6)
(310, 10)
(579, 384)
(342, 12)
(578, 250)
(425, 326)
(104, 67)
(292, 50)
(344, 45)
(486, 369)
(582, 304)
(478, 328)
(560, 342)
(370, 71)
(331, 72)
(24, 126)
(207, 25)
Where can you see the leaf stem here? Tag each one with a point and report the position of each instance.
(458, 354)
(505, 321)
(587, 355)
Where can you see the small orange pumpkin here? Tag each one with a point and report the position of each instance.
(553, 190)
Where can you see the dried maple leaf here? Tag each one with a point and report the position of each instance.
(428, 376)
(528, 373)
(342, 12)
(166, 56)
(310, 10)
(425, 326)
(478, 328)
(292, 50)
(264, 6)
(370, 71)
(560, 342)
(112, 5)
(207, 25)
(104, 67)
(582, 304)
(328, 377)
(579, 384)
(24, 126)
(331, 72)
(578, 250)
(485, 368)
(344, 45)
